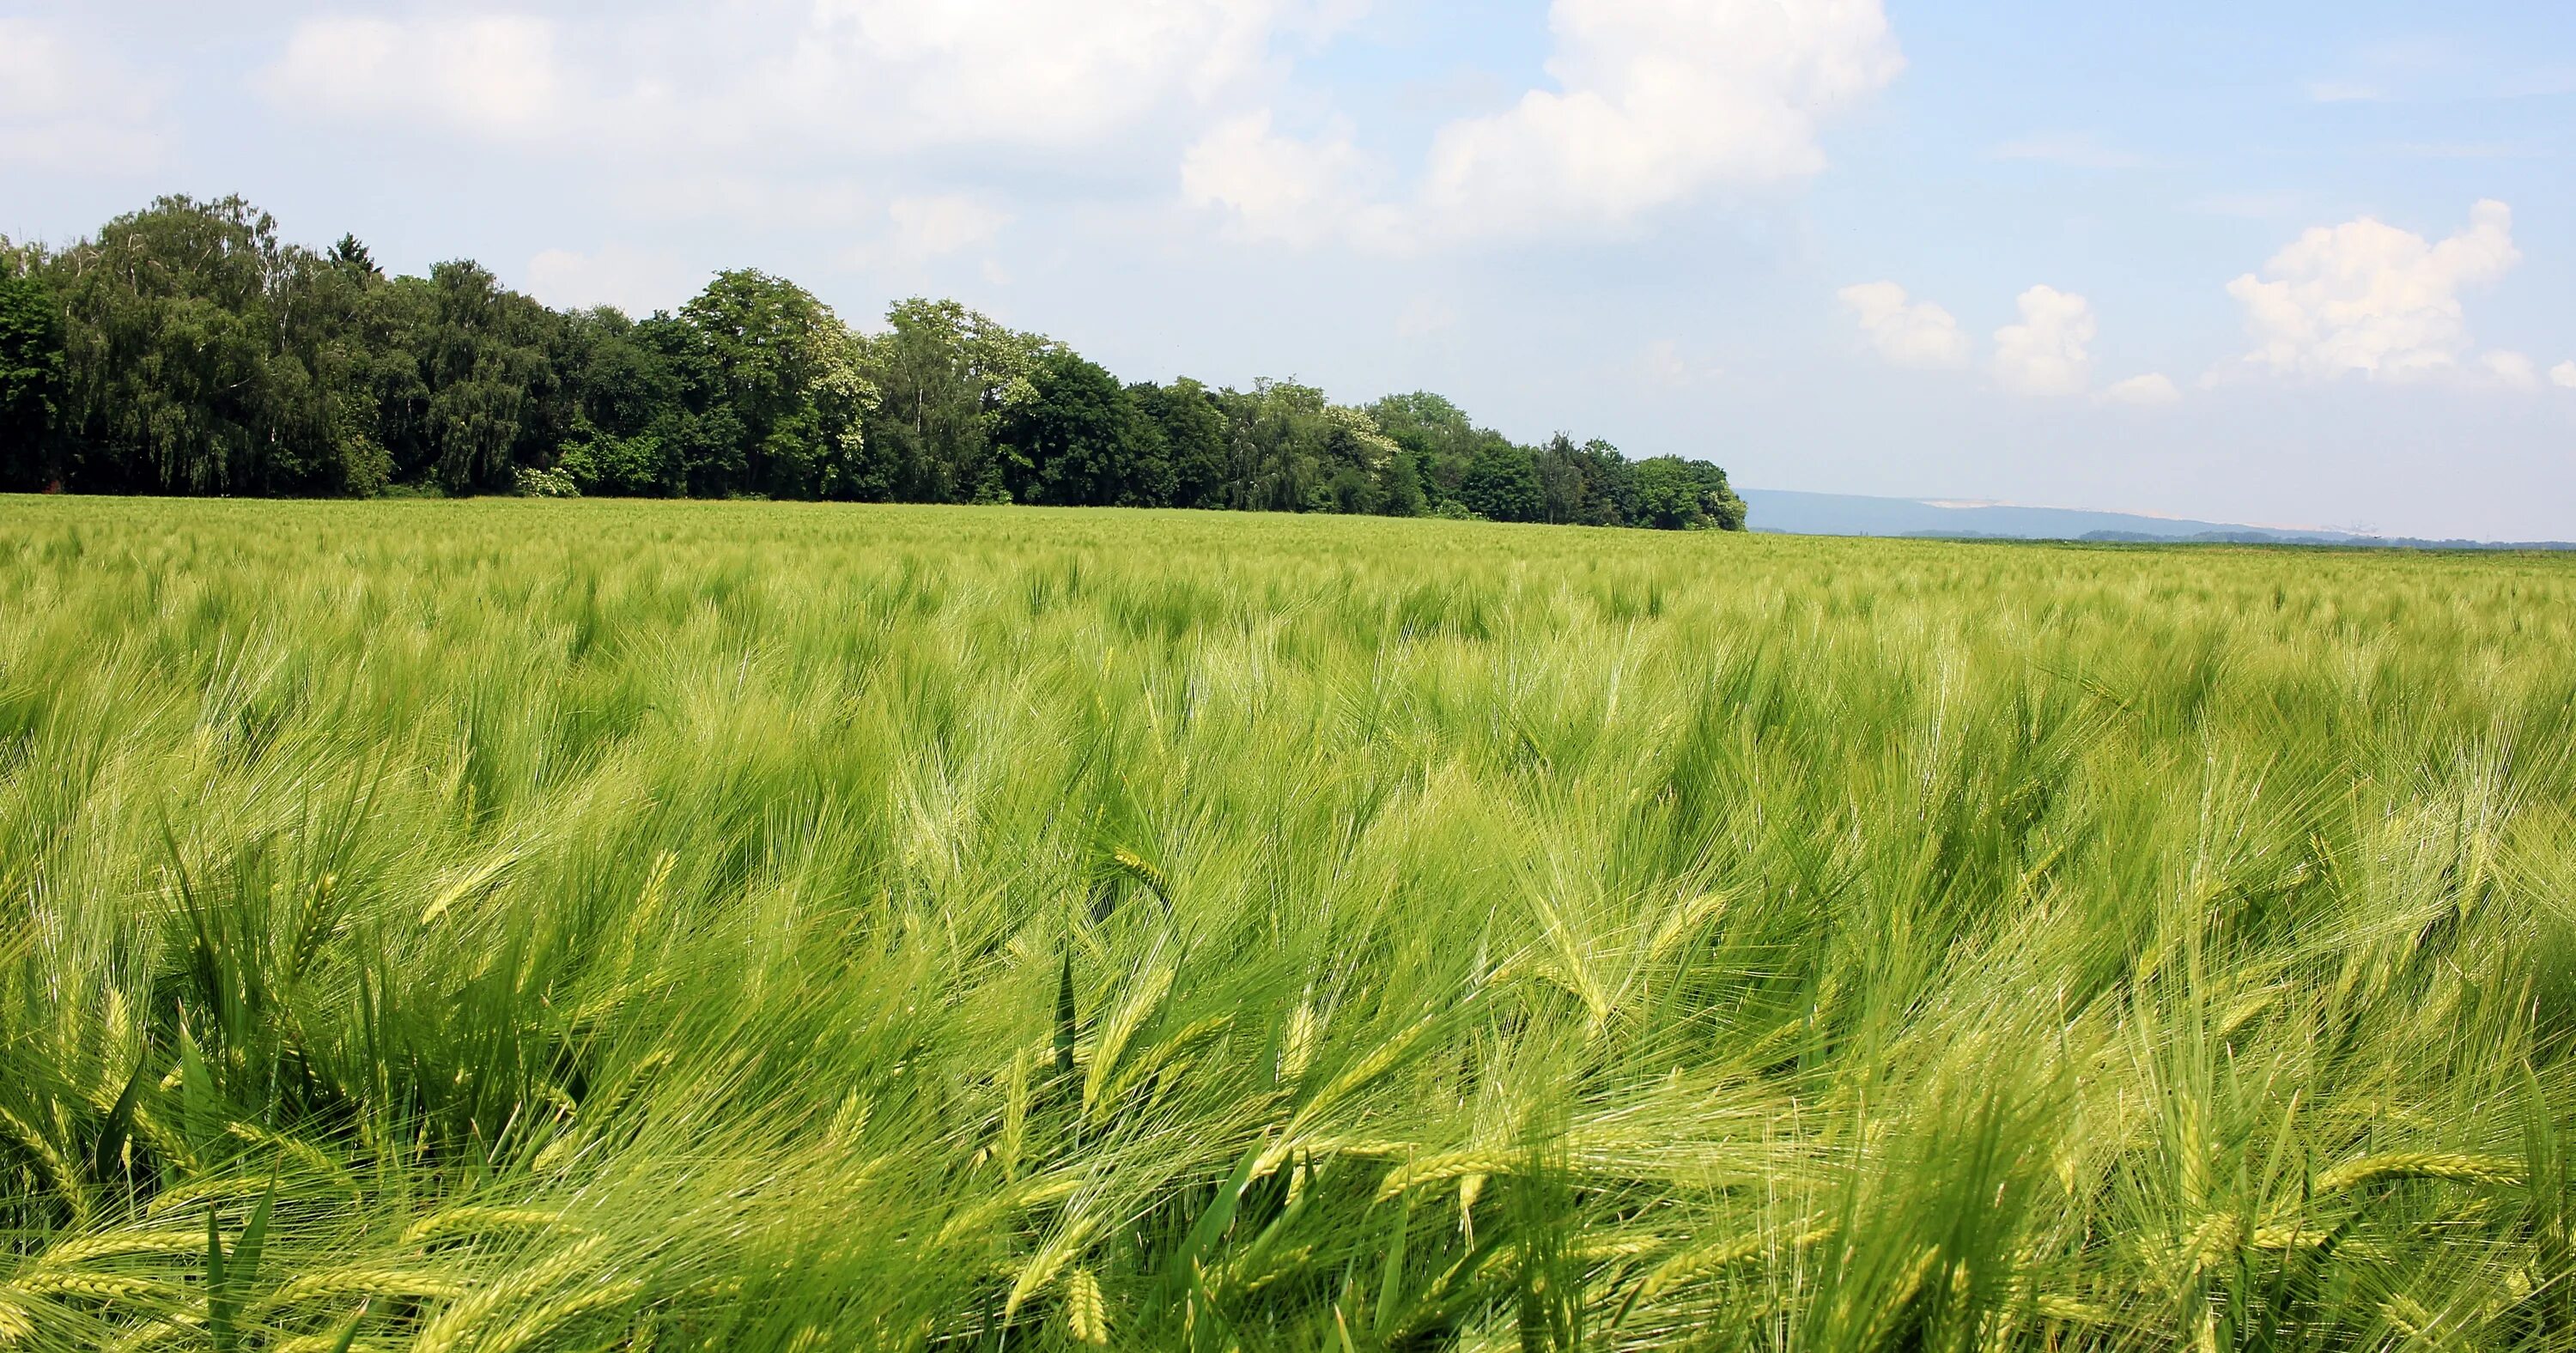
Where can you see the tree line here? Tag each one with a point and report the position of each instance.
(185, 349)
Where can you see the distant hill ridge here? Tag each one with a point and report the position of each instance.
(1792, 512)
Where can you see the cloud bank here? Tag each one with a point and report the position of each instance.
(1907, 333)
(2369, 298)
(1655, 102)
(2049, 352)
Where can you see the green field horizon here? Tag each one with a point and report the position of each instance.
(508, 924)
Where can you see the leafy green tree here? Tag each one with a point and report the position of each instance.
(348, 330)
(187, 349)
(1404, 496)
(31, 376)
(1726, 509)
(1193, 427)
(1444, 441)
(179, 376)
(626, 398)
(1081, 440)
(1502, 484)
(1678, 494)
(484, 364)
(1280, 452)
(947, 374)
(1564, 481)
(794, 380)
(1610, 485)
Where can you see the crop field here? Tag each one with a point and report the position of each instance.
(514, 925)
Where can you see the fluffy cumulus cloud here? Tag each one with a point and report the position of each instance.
(1286, 189)
(2050, 351)
(987, 70)
(2154, 388)
(495, 75)
(2563, 375)
(1906, 332)
(67, 102)
(775, 76)
(2372, 298)
(1648, 102)
(1656, 101)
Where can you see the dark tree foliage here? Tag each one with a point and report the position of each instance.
(623, 401)
(1081, 440)
(189, 348)
(1502, 484)
(1193, 428)
(31, 377)
(481, 407)
(186, 349)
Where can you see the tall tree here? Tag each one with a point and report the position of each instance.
(1080, 439)
(1193, 428)
(485, 370)
(31, 376)
(947, 374)
(1277, 448)
(1502, 484)
(187, 349)
(792, 377)
(1563, 480)
(626, 409)
(178, 375)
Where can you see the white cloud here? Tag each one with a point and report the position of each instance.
(637, 281)
(1656, 102)
(1047, 74)
(2369, 297)
(1918, 334)
(2154, 388)
(1282, 188)
(67, 103)
(2048, 353)
(494, 75)
(2512, 370)
(2563, 375)
(773, 77)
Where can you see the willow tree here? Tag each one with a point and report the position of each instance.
(179, 376)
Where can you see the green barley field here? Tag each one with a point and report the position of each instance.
(584, 926)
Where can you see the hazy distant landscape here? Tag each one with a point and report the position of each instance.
(1842, 514)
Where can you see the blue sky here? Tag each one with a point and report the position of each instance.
(2306, 264)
